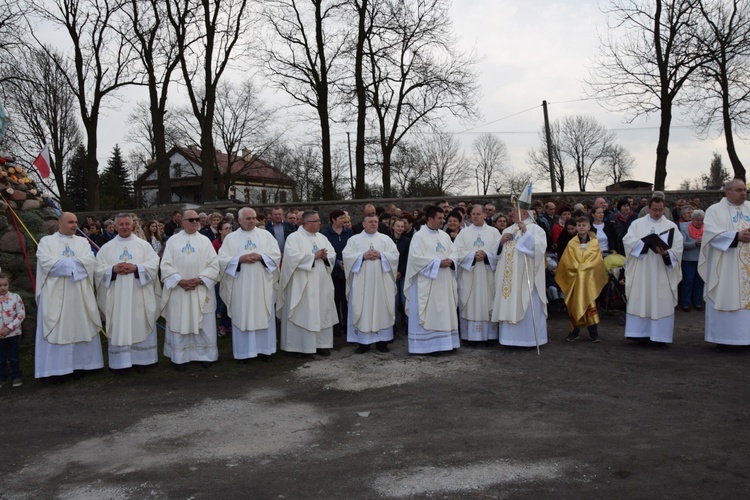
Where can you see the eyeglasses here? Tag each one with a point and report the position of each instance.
(193, 219)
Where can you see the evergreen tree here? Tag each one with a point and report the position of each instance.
(717, 175)
(115, 186)
(74, 198)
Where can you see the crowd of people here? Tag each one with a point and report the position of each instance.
(441, 275)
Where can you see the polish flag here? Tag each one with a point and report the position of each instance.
(42, 163)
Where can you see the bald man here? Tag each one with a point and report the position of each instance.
(68, 321)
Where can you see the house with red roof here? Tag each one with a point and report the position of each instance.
(243, 179)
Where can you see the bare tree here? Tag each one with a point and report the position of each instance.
(207, 36)
(491, 159)
(408, 169)
(648, 53)
(141, 133)
(149, 34)
(11, 21)
(101, 61)
(302, 60)
(44, 111)
(586, 142)
(415, 73)
(444, 164)
(538, 158)
(513, 181)
(721, 90)
(617, 164)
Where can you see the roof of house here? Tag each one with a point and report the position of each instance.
(256, 170)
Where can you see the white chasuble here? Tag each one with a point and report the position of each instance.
(650, 284)
(519, 272)
(371, 284)
(188, 256)
(65, 285)
(306, 288)
(129, 303)
(248, 289)
(437, 296)
(476, 279)
(719, 262)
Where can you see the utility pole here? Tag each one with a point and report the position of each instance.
(549, 148)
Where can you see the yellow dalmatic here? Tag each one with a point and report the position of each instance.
(582, 276)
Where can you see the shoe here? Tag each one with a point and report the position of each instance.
(685, 308)
(572, 337)
(180, 367)
(17, 382)
(594, 338)
(266, 358)
(362, 349)
(222, 331)
(324, 352)
(207, 364)
(698, 308)
(382, 347)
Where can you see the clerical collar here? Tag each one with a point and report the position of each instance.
(433, 231)
(129, 238)
(654, 220)
(370, 235)
(65, 235)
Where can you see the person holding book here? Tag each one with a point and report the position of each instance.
(653, 249)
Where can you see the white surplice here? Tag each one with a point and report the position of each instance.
(650, 284)
(68, 321)
(249, 289)
(305, 304)
(130, 305)
(520, 303)
(190, 332)
(431, 293)
(371, 288)
(476, 281)
(726, 271)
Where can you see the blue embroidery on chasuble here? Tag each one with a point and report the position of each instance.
(188, 249)
(439, 248)
(68, 252)
(250, 245)
(739, 215)
(315, 248)
(126, 256)
(479, 243)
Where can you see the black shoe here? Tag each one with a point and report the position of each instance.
(698, 308)
(435, 354)
(324, 352)
(207, 364)
(594, 338)
(572, 337)
(266, 358)
(382, 347)
(362, 349)
(180, 367)
(140, 369)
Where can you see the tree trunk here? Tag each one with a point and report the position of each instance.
(361, 103)
(662, 148)
(734, 159)
(387, 171)
(325, 128)
(164, 195)
(208, 162)
(92, 168)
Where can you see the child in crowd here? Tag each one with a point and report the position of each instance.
(13, 314)
(582, 276)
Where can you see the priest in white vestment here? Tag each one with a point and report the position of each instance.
(189, 271)
(127, 279)
(724, 265)
(305, 304)
(68, 322)
(520, 303)
(473, 251)
(430, 289)
(370, 265)
(249, 260)
(651, 277)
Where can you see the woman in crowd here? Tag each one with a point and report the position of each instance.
(339, 235)
(212, 231)
(152, 236)
(691, 288)
(137, 228)
(225, 324)
(686, 216)
(402, 243)
(606, 233)
(453, 224)
(625, 216)
(559, 227)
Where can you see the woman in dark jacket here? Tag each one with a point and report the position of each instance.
(338, 235)
(606, 232)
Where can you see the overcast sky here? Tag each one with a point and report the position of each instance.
(532, 51)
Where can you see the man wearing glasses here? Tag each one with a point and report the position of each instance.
(189, 271)
(305, 304)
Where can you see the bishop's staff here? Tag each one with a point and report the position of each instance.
(524, 202)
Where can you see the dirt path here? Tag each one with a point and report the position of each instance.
(580, 421)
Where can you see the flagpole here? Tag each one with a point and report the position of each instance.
(528, 280)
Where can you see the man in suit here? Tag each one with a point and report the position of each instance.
(278, 227)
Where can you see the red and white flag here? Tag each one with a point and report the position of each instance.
(42, 163)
